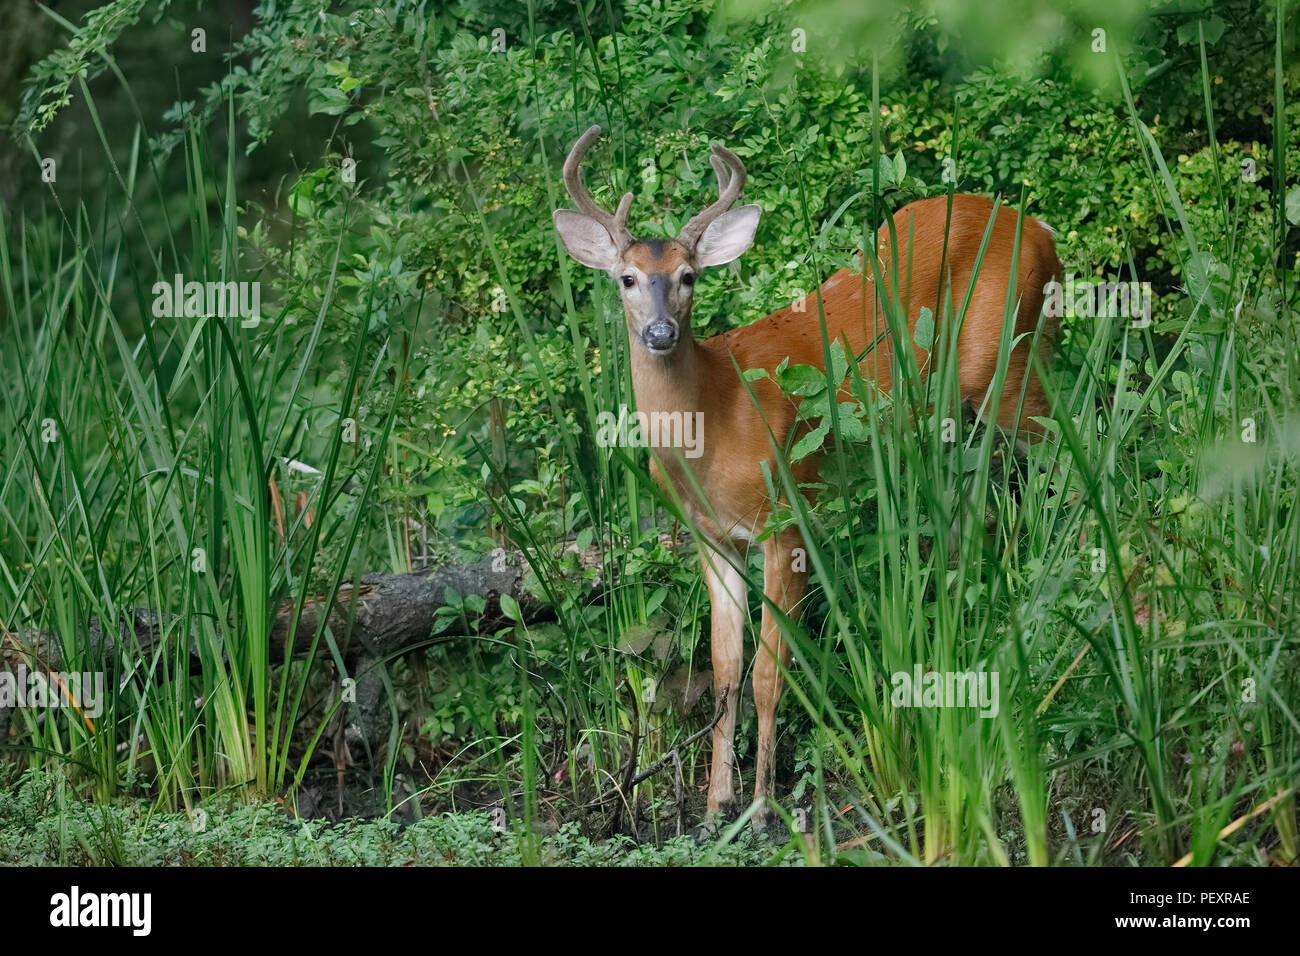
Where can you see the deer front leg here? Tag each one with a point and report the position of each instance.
(785, 579)
(729, 608)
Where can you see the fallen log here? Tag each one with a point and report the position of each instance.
(372, 619)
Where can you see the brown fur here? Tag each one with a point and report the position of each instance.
(702, 377)
(655, 257)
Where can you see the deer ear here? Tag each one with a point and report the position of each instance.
(727, 236)
(585, 239)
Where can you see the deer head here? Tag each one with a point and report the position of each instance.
(656, 278)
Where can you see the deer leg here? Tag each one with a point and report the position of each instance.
(785, 579)
(729, 609)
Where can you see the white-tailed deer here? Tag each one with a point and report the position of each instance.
(722, 488)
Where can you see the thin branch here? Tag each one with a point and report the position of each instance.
(663, 761)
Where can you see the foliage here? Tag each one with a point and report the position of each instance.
(41, 825)
(387, 173)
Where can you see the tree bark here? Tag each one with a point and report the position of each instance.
(387, 612)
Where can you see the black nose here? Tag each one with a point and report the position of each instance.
(660, 335)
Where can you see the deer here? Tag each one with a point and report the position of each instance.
(747, 422)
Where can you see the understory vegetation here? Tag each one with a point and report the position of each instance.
(421, 384)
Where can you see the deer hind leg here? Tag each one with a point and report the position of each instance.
(1013, 413)
(785, 579)
(1035, 403)
(728, 598)
(1022, 402)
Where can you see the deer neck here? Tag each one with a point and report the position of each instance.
(667, 383)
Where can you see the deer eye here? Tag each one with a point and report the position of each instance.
(688, 278)
(629, 281)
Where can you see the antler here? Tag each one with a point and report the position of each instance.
(729, 186)
(615, 223)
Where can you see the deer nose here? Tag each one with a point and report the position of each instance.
(660, 335)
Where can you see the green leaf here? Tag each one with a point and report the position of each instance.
(839, 362)
(802, 380)
(852, 428)
(637, 638)
(923, 334)
(655, 600)
(810, 442)
(510, 608)
(328, 100)
(1293, 205)
(1213, 27)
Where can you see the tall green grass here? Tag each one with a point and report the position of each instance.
(154, 492)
